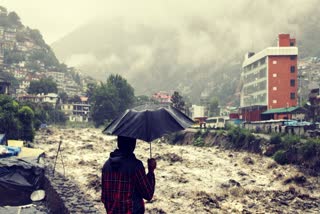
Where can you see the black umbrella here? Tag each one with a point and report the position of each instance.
(148, 123)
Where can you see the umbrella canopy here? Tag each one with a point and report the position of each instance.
(148, 123)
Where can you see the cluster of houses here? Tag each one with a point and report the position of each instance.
(17, 47)
(75, 111)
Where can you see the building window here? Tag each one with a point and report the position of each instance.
(292, 69)
(274, 62)
(292, 96)
(291, 43)
(263, 73)
(292, 82)
(274, 75)
(292, 57)
(274, 88)
(263, 61)
(274, 101)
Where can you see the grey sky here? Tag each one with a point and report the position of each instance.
(56, 18)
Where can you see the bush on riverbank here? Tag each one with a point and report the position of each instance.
(290, 149)
(284, 149)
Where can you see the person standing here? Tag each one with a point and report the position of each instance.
(124, 181)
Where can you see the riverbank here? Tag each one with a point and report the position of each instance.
(190, 179)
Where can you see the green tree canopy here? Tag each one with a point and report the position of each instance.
(124, 91)
(177, 101)
(45, 56)
(26, 117)
(3, 9)
(74, 99)
(110, 99)
(9, 123)
(63, 96)
(45, 85)
(36, 36)
(14, 19)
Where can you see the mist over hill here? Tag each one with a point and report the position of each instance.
(191, 52)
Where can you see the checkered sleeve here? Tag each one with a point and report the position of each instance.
(145, 182)
(103, 189)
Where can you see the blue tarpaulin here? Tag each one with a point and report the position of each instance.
(3, 139)
(11, 151)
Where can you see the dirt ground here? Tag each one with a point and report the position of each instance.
(190, 179)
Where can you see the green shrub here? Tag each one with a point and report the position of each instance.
(310, 149)
(198, 134)
(281, 157)
(275, 139)
(220, 132)
(239, 137)
(198, 141)
(290, 141)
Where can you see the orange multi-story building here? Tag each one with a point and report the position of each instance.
(269, 79)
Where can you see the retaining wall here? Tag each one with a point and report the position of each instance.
(63, 196)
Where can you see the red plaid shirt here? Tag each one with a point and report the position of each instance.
(122, 191)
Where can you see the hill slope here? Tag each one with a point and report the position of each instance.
(194, 55)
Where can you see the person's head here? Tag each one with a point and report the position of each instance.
(126, 144)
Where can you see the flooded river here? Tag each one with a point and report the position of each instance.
(190, 179)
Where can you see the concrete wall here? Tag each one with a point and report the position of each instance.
(279, 76)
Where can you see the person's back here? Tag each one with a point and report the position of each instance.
(124, 181)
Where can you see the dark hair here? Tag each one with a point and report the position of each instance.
(126, 144)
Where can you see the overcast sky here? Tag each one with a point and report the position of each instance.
(56, 18)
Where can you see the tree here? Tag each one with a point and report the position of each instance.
(3, 17)
(177, 101)
(45, 85)
(14, 19)
(74, 99)
(105, 104)
(123, 90)
(26, 117)
(37, 37)
(45, 113)
(110, 99)
(9, 123)
(3, 9)
(45, 56)
(63, 97)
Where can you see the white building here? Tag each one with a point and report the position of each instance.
(198, 111)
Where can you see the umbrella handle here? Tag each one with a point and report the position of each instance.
(150, 150)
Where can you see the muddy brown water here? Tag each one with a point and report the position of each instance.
(190, 179)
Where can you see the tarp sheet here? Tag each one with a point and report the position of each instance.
(3, 139)
(18, 179)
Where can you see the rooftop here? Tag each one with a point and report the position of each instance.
(271, 51)
(281, 110)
